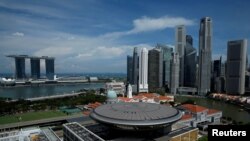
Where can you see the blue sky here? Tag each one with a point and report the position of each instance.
(97, 35)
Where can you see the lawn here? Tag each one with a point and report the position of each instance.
(30, 116)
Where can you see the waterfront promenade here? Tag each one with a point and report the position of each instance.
(54, 96)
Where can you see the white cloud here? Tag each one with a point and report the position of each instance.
(54, 51)
(100, 52)
(146, 24)
(151, 24)
(20, 34)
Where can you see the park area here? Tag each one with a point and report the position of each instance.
(30, 116)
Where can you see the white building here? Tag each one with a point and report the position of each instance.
(198, 116)
(174, 70)
(143, 70)
(118, 87)
(129, 91)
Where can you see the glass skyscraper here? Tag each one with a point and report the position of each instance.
(190, 64)
(129, 69)
(167, 56)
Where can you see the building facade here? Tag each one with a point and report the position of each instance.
(205, 58)
(180, 36)
(155, 68)
(198, 116)
(236, 66)
(167, 56)
(35, 68)
(118, 87)
(143, 70)
(190, 64)
(50, 68)
(135, 68)
(129, 69)
(20, 67)
(174, 79)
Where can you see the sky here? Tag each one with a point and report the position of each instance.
(94, 36)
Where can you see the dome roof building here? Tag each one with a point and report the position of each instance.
(111, 96)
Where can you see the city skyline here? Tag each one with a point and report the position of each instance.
(88, 37)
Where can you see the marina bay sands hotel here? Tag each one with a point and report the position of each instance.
(35, 66)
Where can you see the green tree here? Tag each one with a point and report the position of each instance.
(204, 138)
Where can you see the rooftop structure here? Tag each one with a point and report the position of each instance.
(147, 98)
(28, 57)
(76, 132)
(30, 134)
(136, 116)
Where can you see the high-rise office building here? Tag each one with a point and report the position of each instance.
(217, 68)
(50, 68)
(143, 70)
(155, 69)
(174, 79)
(189, 39)
(205, 50)
(135, 75)
(218, 78)
(20, 67)
(190, 64)
(129, 69)
(180, 36)
(35, 67)
(236, 66)
(167, 56)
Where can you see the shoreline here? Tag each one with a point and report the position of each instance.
(50, 84)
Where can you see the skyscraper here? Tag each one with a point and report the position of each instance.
(129, 69)
(20, 67)
(155, 69)
(218, 78)
(174, 79)
(50, 68)
(189, 64)
(205, 50)
(189, 39)
(180, 36)
(167, 56)
(135, 75)
(35, 67)
(236, 66)
(143, 70)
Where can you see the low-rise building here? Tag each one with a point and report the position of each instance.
(30, 134)
(198, 116)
